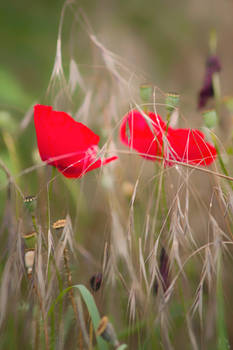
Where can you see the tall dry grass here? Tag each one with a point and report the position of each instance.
(160, 236)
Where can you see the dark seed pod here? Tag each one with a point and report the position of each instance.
(212, 66)
(164, 268)
(96, 281)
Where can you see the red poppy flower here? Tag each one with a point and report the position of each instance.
(66, 144)
(149, 135)
(189, 146)
(145, 136)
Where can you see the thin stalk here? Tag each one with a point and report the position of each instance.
(49, 194)
(223, 343)
(217, 96)
(69, 284)
(37, 332)
(34, 223)
(91, 335)
(45, 324)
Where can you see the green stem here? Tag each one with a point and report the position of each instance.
(34, 223)
(223, 343)
(50, 187)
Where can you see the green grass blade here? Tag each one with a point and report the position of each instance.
(93, 311)
(91, 306)
(122, 347)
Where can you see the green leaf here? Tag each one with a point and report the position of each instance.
(122, 347)
(93, 311)
(91, 306)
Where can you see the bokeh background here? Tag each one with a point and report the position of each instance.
(168, 41)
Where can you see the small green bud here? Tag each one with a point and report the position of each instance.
(30, 203)
(30, 240)
(146, 92)
(172, 101)
(210, 118)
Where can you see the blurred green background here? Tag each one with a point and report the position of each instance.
(168, 40)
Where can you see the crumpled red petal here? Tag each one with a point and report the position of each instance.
(189, 146)
(66, 144)
(143, 133)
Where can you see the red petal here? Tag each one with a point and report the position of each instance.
(63, 142)
(144, 137)
(189, 146)
(74, 171)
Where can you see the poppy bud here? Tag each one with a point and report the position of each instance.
(145, 92)
(210, 118)
(107, 332)
(30, 203)
(96, 281)
(207, 91)
(172, 101)
(30, 240)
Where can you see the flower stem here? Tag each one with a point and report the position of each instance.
(69, 284)
(223, 343)
(46, 332)
(49, 195)
(34, 223)
(37, 331)
(91, 336)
